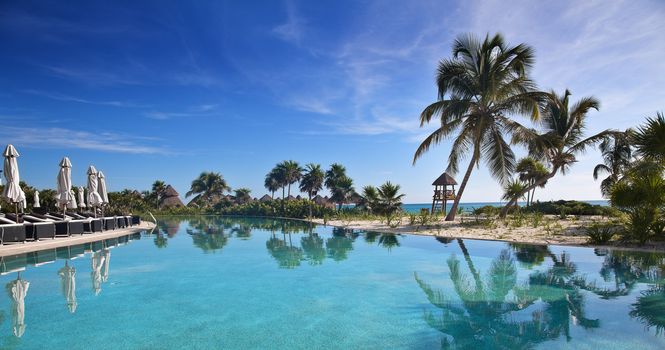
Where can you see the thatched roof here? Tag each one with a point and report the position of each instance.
(171, 198)
(443, 180)
(290, 197)
(298, 197)
(265, 198)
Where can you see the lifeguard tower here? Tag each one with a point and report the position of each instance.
(442, 192)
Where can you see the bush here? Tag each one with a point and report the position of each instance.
(284, 208)
(565, 208)
(599, 233)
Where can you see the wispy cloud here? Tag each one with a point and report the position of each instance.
(293, 29)
(76, 139)
(68, 98)
(203, 110)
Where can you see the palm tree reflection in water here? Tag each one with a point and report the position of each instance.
(498, 312)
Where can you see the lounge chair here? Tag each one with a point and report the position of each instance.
(90, 224)
(109, 223)
(136, 220)
(75, 226)
(11, 232)
(36, 229)
(61, 226)
(121, 222)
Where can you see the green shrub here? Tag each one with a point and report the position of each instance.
(599, 233)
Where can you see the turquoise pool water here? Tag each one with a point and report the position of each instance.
(209, 282)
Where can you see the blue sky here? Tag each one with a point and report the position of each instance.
(164, 90)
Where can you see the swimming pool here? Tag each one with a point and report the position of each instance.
(212, 282)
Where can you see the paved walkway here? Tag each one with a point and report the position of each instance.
(29, 246)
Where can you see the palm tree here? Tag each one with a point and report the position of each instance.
(649, 139)
(529, 171)
(343, 191)
(291, 171)
(370, 198)
(158, 189)
(513, 189)
(338, 183)
(478, 88)
(208, 185)
(390, 200)
(561, 139)
(242, 195)
(278, 175)
(312, 180)
(271, 183)
(617, 156)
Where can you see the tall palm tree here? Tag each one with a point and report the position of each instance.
(278, 175)
(478, 88)
(271, 183)
(649, 139)
(312, 180)
(343, 191)
(561, 138)
(208, 185)
(338, 183)
(370, 198)
(292, 172)
(529, 171)
(158, 189)
(617, 156)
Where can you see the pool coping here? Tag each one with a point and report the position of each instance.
(29, 247)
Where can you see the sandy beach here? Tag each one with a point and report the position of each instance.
(551, 230)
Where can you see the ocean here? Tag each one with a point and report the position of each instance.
(414, 208)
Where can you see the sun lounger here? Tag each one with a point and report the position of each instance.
(136, 220)
(75, 226)
(121, 222)
(11, 232)
(36, 229)
(61, 226)
(109, 223)
(90, 224)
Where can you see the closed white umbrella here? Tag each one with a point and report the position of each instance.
(68, 285)
(94, 199)
(102, 187)
(65, 196)
(12, 191)
(17, 290)
(36, 200)
(81, 197)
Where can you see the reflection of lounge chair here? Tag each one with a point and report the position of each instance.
(70, 252)
(36, 229)
(10, 231)
(42, 257)
(14, 263)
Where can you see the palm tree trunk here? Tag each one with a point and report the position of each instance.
(542, 180)
(453, 210)
(527, 198)
(289, 190)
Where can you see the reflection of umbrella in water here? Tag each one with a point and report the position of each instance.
(96, 274)
(17, 290)
(105, 267)
(68, 285)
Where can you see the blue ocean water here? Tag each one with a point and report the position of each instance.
(232, 283)
(414, 208)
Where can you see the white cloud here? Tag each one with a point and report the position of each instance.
(293, 29)
(76, 139)
(68, 98)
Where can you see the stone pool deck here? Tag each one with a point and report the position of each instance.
(29, 246)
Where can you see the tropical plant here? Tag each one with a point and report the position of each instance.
(390, 200)
(243, 195)
(207, 186)
(271, 183)
(157, 192)
(333, 175)
(343, 191)
(649, 139)
(478, 88)
(530, 170)
(513, 190)
(369, 198)
(641, 193)
(617, 156)
(562, 137)
(312, 180)
(291, 173)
